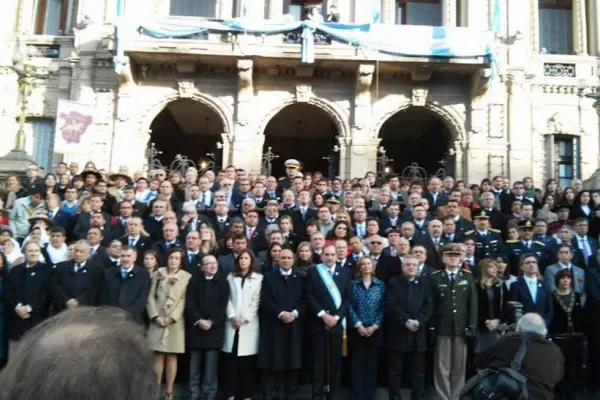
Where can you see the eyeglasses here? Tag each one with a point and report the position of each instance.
(377, 243)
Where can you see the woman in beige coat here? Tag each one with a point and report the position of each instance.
(166, 303)
(241, 330)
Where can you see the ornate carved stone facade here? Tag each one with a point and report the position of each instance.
(499, 115)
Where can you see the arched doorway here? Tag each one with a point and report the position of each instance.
(189, 128)
(304, 132)
(417, 136)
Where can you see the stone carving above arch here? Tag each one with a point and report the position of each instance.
(336, 113)
(451, 118)
(558, 124)
(152, 111)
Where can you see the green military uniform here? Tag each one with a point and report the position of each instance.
(454, 310)
(455, 304)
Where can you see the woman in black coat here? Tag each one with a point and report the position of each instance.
(492, 297)
(566, 330)
(583, 206)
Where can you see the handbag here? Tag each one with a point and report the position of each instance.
(505, 383)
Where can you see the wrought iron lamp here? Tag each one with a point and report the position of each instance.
(29, 74)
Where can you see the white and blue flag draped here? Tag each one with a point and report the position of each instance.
(399, 40)
(496, 24)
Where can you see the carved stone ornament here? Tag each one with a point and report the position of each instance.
(245, 73)
(186, 88)
(365, 77)
(419, 96)
(557, 124)
(303, 93)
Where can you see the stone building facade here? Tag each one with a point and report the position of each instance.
(241, 95)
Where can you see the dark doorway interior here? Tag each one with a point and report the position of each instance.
(417, 135)
(188, 128)
(304, 132)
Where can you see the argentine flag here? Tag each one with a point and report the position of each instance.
(496, 24)
(376, 12)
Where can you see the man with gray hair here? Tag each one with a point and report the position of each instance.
(77, 282)
(543, 364)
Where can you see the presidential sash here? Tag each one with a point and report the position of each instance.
(336, 296)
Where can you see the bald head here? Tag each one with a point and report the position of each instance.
(532, 323)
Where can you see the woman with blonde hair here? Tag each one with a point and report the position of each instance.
(208, 241)
(342, 215)
(13, 190)
(492, 297)
(166, 305)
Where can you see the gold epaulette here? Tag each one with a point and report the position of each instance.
(540, 243)
(495, 230)
(512, 241)
(469, 232)
(467, 271)
(439, 271)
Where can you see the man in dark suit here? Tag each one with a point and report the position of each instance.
(127, 286)
(282, 312)
(302, 213)
(391, 219)
(434, 241)
(77, 282)
(497, 218)
(220, 220)
(169, 240)
(27, 294)
(98, 253)
(530, 291)
(255, 233)
(587, 245)
(154, 223)
(205, 308)
(84, 220)
(434, 196)
(139, 208)
(119, 223)
(135, 239)
(328, 299)
(56, 215)
(193, 258)
(451, 234)
(408, 309)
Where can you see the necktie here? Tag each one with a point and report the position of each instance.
(286, 276)
(123, 274)
(77, 266)
(338, 264)
(250, 233)
(131, 242)
(393, 251)
(203, 200)
(533, 288)
(191, 257)
(452, 275)
(51, 214)
(331, 271)
(585, 250)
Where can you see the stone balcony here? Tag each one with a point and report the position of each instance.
(576, 70)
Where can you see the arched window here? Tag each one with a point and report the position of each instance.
(193, 8)
(419, 12)
(556, 26)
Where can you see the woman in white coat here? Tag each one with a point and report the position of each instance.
(241, 330)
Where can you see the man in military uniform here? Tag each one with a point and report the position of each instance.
(291, 169)
(524, 245)
(454, 317)
(488, 242)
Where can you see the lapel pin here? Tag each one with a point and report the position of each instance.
(85, 271)
(337, 273)
(33, 274)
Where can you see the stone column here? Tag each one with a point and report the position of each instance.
(449, 12)
(593, 18)
(362, 11)
(474, 14)
(247, 146)
(359, 153)
(579, 28)
(519, 151)
(388, 11)
(534, 14)
(275, 9)
(225, 9)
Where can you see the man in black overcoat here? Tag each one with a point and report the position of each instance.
(205, 307)
(27, 294)
(408, 309)
(282, 310)
(327, 321)
(127, 286)
(77, 282)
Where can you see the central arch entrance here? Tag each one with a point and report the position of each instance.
(305, 132)
(189, 128)
(419, 138)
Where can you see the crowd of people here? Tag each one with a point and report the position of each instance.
(265, 284)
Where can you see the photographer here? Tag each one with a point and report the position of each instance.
(543, 362)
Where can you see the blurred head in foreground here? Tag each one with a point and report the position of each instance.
(85, 353)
